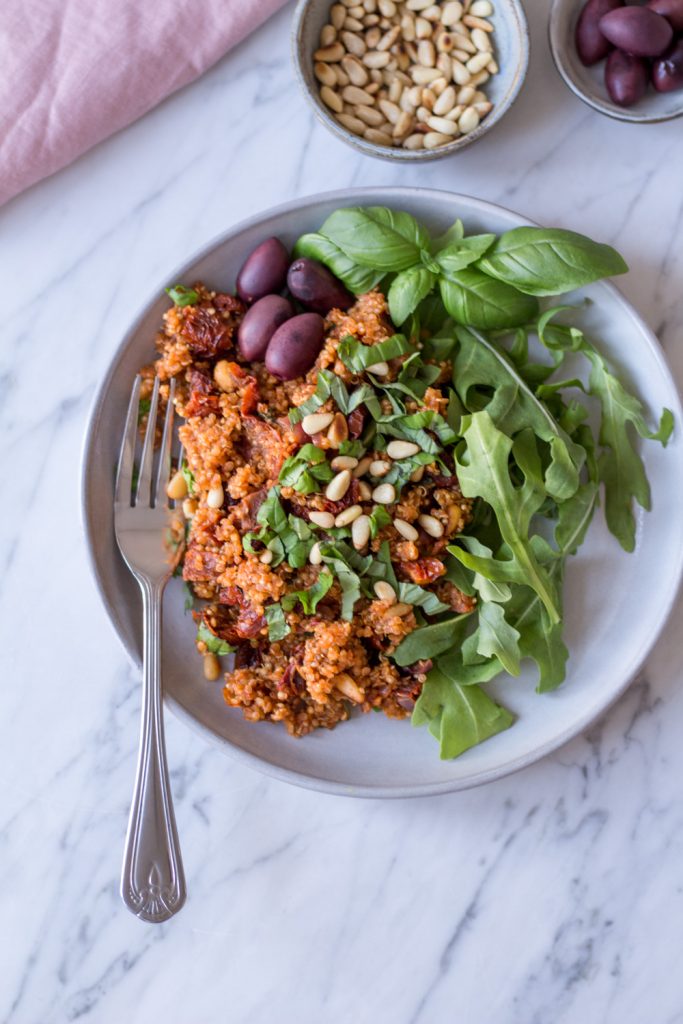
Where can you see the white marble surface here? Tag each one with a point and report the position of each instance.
(553, 896)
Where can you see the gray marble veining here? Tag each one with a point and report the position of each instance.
(555, 895)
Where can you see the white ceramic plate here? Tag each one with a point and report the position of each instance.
(616, 604)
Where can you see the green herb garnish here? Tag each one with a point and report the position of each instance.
(182, 296)
(214, 644)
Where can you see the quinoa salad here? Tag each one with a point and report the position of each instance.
(380, 485)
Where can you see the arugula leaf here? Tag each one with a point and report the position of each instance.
(539, 638)
(459, 254)
(278, 627)
(574, 517)
(214, 644)
(182, 296)
(357, 357)
(407, 290)
(458, 716)
(549, 261)
(413, 594)
(428, 641)
(476, 300)
(358, 279)
(377, 237)
(483, 471)
(495, 637)
(310, 598)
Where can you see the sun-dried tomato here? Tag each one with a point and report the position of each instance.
(244, 513)
(223, 622)
(250, 397)
(422, 571)
(451, 595)
(356, 422)
(199, 565)
(264, 445)
(352, 497)
(206, 332)
(227, 304)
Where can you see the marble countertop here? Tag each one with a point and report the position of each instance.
(554, 895)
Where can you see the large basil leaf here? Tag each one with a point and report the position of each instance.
(358, 279)
(474, 299)
(549, 261)
(377, 237)
(407, 291)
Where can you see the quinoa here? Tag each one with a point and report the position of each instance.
(237, 435)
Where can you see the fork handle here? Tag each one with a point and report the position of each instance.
(152, 878)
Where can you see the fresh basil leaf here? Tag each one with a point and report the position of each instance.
(182, 296)
(356, 356)
(278, 627)
(474, 299)
(460, 254)
(355, 449)
(214, 644)
(309, 599)
(271, 512)
(377, 237)
(358, 279)
(327, 385)
(428, 641)
(188, 477)
(549, 261)
(379, 518)
(306, 470)
(454, 233)
(459, 716)
(407, 290)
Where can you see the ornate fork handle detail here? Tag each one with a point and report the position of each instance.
(152, 880)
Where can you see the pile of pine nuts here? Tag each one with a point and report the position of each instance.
(407, 72)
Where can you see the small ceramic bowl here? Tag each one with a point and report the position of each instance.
(589, 83)
(511, 44)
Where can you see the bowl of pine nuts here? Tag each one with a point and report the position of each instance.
(409, 80)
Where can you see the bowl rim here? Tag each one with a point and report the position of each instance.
(627, 114)
(89, 523)
(398, 154)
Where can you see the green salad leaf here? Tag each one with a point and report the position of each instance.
(214, 644)
(461, 253)
(307, 470)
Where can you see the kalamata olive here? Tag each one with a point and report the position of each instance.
(626, 78)
(672, 10)
(316, 288)
(260, 323)
(667, 70)
(591, 45)
(637, 30)
(295, 346)
(264, 271)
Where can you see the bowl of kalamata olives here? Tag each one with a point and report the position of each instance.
(623, 59)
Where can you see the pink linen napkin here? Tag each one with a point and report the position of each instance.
(73, 72)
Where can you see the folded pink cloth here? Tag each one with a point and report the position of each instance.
(73, 72)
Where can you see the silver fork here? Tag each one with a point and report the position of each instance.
(152, 878)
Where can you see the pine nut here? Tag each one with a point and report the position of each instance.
(454, 114)
(377, 137)
(353, 25)
(379, 468)
(417, 475)
(461, 76)
(428, 99)
(357, 12)
(355, 70)
(379, 369)
(348, 515)
(347, 687)
(445, 66)
(339, 430)
(426, 54)
(390, 111)
(415, 95)
(482, 108)
(399, 609)
(315, 422)
(328, 35)
(387, 8)
(340, 75)
(370, 115)
(372, 36)
(395, 89)
(493, 67)
(376, 59)
(331, 99)
(432, 13)
(337, 15)
(481, 9)
(464, 43)
(364, 490)
(402, 127)
(408, 28)
(189, 507)
(266, 557)
(418, 5)
(480, 77)
(445, 102)
(415, 141)
(315, 555)
(434, 139)
(443, 125)
(411, 51)
(212, 667)
(472, 22)
(177, 488)
(360, 532)
(325, 74)
(384, 591)
(325, 520)
(406, 530)
(344, 462)
(329, 54)
(478, 62)
(423, 28)
(431, 525)
(338, 486)
(481, 40)
(445, 43)
(423, 76)
(355, 44)
(353, 124)
(469, 120)
(215, 497)
(451, 13)
(389, 38)
(466, 95)
(405, 103)
(362, 467)
(358, 97)
(384, 494)
(370, 6)
(402, 449)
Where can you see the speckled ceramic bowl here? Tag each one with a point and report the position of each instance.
(511, 41)
(589, 83)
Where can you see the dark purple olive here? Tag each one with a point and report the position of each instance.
(672, 10)
(295, 346)
(316, 288)
(591, 45)
(637, 30)
(626, 78)
(264, 271)
(259, 325)
(667, 70)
